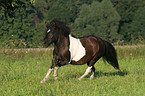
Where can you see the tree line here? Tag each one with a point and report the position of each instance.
(22, 22)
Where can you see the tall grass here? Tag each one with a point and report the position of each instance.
(21, 72)
(131, 51)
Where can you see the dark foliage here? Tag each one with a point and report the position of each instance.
(22, 21)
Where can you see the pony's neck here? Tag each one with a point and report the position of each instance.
(62, 42)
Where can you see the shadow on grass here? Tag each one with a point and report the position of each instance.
(76, 75)
(120, 73)
(97, 74)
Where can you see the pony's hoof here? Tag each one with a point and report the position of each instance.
(42, 81)
(92, 77)
(79, 79)
(55, 78)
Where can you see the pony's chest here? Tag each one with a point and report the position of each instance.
(76, 49)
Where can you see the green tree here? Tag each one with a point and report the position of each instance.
(41, 7)
(9, 6)
(58, 11)
(127, 10)
(136, 29)
(18, 31)
(99, 18)
(65, 9)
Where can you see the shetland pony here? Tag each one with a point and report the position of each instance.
(76, 51)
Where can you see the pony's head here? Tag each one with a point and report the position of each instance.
(54, 30)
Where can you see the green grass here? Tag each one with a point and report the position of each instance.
(21, 72)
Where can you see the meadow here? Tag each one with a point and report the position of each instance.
(21, 71)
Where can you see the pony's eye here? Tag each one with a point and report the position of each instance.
(48, 30)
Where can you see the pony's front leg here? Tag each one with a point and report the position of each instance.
(47, 75)
(55, 72)
(54, 62)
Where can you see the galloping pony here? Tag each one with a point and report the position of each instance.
(76, 51)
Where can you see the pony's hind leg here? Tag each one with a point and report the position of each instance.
(86, 73)
(91, 68)
(92, 72)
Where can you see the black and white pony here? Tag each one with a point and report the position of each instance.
(76, 51)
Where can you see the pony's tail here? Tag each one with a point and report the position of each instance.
(110, 55)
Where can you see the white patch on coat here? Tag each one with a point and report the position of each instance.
(76, 49)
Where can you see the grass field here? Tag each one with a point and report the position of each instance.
(21, 72)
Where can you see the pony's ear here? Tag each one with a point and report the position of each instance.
(46, 23)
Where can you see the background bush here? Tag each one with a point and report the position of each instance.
(22, 22)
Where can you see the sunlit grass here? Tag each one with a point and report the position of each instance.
(21, 72)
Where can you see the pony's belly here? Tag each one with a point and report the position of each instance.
(76, 49)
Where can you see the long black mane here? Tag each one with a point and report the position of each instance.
(63, 26)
